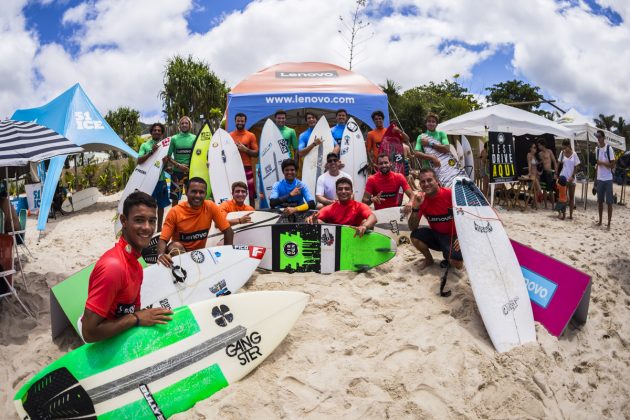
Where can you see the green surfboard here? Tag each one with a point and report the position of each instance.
(317, 248)
(157, 371)
(199, 157)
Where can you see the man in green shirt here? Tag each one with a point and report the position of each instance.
(439, 143)
(179, 153)
(147, 149)
(433, 146)
(287, 133)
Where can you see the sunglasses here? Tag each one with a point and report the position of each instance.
(333, 160)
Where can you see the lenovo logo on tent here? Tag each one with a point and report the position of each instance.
(305, 74)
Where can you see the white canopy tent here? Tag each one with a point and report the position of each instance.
(584, 129)
(503, 118)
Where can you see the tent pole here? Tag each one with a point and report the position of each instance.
(588, 167)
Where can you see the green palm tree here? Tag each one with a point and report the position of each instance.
(190, 88)
(606, 122)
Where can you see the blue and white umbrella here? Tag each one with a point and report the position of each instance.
(22, 142)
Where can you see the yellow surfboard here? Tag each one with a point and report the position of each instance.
(199, 158)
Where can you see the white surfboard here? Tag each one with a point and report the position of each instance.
(392, 222)
(469, 159)
(81, 199)
(460, 153)
(199, 275)
(354, 157)
(494, 272)
(259, 218)
(314, 162)
(273, 150)
(144, 178)
(225, 165)
(162, 370)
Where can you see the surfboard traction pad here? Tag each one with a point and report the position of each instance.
(297, 248)
(467, 194)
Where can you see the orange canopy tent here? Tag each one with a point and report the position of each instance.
(313, 85)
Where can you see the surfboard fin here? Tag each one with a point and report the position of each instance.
(362, 268)
(443, 284)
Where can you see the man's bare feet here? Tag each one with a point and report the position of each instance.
(425, 263)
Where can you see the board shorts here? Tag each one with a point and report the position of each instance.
(160, 193)
(251, 186)
(437, 242)
(605, 191)
(176, 184)
(561, 207)
(547, 181)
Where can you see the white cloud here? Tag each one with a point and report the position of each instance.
(17, 49)
(576, 56)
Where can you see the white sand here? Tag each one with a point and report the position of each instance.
(381, 344)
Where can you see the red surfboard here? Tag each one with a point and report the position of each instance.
(392, 144)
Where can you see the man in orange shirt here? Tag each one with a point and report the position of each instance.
(237, 203)
(374, 138)
(187, 223)
(247, 144)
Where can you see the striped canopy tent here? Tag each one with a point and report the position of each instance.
(300, 86)
(23, 142)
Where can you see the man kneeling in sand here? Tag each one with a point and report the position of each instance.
(113, 302)
(436, 204)
(187, 223)
(345, 211)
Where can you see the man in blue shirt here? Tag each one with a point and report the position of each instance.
(311, 121)
(337, 131)
(290, 193)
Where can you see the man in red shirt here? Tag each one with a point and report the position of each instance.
(436, 204)
(345, 211)
(113, 300)
(247, 145)
(383, 188)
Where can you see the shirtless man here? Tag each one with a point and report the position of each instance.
(550, 172)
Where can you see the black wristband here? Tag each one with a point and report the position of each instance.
(137, 319)
(413, 209)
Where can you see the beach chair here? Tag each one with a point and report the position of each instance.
(7, 270)
(20, 237)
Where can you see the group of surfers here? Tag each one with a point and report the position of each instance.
(113, 303)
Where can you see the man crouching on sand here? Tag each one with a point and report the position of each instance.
(113, 303)
(436, 204)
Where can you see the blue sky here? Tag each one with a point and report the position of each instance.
(559, 45)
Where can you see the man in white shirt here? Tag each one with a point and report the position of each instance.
(605, 164)
(325, 191)
(569, 161)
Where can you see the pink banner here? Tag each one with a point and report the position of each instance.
(555, 289)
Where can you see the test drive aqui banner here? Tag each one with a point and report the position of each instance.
(501, 154)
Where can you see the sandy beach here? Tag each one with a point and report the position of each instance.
(381, 344)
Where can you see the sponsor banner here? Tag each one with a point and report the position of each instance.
(501, 154)
(33, 196)
(557, 291)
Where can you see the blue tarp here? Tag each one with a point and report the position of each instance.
(72, 115)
